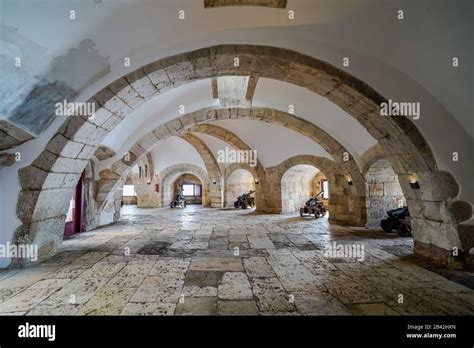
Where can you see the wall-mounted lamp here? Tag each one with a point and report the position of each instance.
(256, 181)
(348, 179)
(214, 181)
(148, 182)
(413, 179)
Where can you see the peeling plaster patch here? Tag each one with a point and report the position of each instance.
(29, 94)
(72, 67)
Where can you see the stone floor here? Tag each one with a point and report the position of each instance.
(200, 261)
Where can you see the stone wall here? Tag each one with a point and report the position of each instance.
(316, 187)
(47, 184)
(383, 191)
(147, 197)
(239, 182)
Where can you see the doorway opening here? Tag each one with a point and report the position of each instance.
(74, 218)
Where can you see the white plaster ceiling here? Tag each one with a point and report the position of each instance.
(365, 30)
(173, 151)
(214, 144)
(317, 110)
(164, 107)
(269, 93)
(273, 143)
(407, 60)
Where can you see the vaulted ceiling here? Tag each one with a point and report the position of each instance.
(107, 39)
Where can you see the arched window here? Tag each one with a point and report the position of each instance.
(139, 172)
(146, 171)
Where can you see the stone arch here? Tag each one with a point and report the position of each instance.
(298, 184)
(223, 134)
(213, 170)
(245, 166)
(169, 175)
(195, 122)
(237, 143)
(341, 203)
(372, 155)
(66, 154)
(228, 174)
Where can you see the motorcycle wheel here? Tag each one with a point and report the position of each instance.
(302, 212)
(236, 205)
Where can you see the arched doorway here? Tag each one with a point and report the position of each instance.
(299, 183)
(191, 186)
(383, 191)
(129, 193)
(74, 222)
(172, 174)
(240, 181)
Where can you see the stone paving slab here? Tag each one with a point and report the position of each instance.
(243, 307)
(234, 286)
(197, 306)
(258, 267)
(229, 264)
(185, 263)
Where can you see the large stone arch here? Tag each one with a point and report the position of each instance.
(196, 122)
(193, 122)
(213, 170)
(231, 168)
(121, 166)
(146, 195)
(232, 139)
(341, 207)
(169, 175)
(51, 176)
(372, 155)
